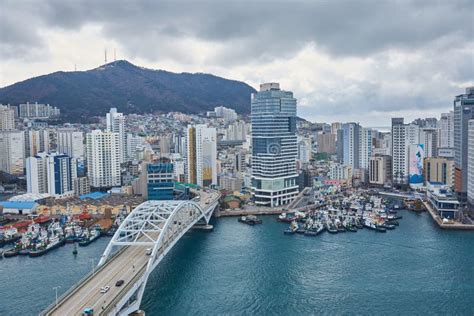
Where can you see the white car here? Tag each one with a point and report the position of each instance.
(104, 289)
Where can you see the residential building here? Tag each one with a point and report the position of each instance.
(326, 143)
(7, 118)
(71, 142)
(429, 139)
(51, 173)
(274, 146)
(201, 151)
(36, 141)
(446, 130)
(37, 110)
(81, 186)
(103, 159)
(365, 147)
(225, 113)
(116, 124)
(403, 135)
(463, 112)
(12, 152)
(304, 150)
(351, 140)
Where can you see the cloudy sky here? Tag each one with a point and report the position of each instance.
(345, 60)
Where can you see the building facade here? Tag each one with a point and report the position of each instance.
(71, 142)
(274, 146)
(116, 124)
(446, 130)
(351, 139)
(12, 152)
(403, 135)
(380, 170)
(439, 170)
(201, 155)
(7, 118)
(160, 181)
(103, 159)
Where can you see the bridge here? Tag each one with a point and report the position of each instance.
(147, 234)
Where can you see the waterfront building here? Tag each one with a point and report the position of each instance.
(7, 118)
(71, 142)
(326, 143)
(12, 152)
(365, 147)
(403, 135)
(201, 155)
(429, 139)
(470, 165)
(160, 181)
(446, 130)
(103, 159)
(351, 140)
(380, 170)
(274, 146)
(439, 170)
(116, 124)
(36, 141)
(51, 173)
(443, 200)
(37, 111)
(463, 112)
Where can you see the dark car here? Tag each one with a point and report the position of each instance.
(119, 283)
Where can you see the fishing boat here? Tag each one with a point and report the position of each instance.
(250, 220)
(292, 229)
(89, 237)
(283, 217)
(11, 252)
(332, 228)
(52, 243)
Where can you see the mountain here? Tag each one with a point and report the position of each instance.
(132, 89)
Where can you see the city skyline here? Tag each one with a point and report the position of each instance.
(345, 63)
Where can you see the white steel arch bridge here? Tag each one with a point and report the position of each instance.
(147, 234)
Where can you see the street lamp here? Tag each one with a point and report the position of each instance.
(93, 266)
(56, 290)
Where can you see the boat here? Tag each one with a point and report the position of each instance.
(284, 218)
(392, 222)
(54, 242)
(332, 228)
(89, 237)
(292, 229)
(250, 220)
(11, 252)
(388, 226)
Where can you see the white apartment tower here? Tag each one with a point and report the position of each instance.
(103, 159)
(71, 142)
(116, 124)
(7, 118)
(403, 135)
(365, 147)
(12, 152)
(446, 130)
(36, 141)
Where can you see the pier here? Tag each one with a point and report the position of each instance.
(448, 225)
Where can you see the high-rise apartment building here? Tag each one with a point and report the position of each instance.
(116, 124)
(274, 146)
(304, 150)
(225, 113)
(470, 165)
(351, 139)
(326, 143)
(36, 141)
(463, 112)
(380, 170)
(37, 110)
(403, 135)
(365, 147)
(446, 130)
(71, 142)
(7, 118)
(103, 159)
(429, 139)
(12, 152)
(201, 155)
(51, 173)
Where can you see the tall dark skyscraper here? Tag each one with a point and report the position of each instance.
(274, 146)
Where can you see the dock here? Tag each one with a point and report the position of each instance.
(451, 225)
(250, 211)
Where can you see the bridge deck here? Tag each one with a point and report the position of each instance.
(129, 266)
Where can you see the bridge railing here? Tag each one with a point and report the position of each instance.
(51, 307)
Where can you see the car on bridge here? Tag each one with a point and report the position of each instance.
(88, 311)
(119, 283)
(104, 289)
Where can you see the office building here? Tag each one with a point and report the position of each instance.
(159, 181)
(274, 146)
(446, 130)
(12, 152)
(116, 124)
(71, 142)
(51, 173)
(7, 118)
(103, 159)
(463, 112)
(439, 170)
(380, 170)
(201, 155)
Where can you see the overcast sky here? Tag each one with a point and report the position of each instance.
(361, 61)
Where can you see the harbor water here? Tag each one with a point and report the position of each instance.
(239, 269)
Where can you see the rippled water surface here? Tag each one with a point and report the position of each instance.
(239, 269)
